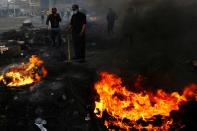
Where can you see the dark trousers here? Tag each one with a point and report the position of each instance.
(56, 34)
(110, 27)
(79, 46)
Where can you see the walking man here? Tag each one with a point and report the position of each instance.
(78, 27)
(111, 18)
(55, 20)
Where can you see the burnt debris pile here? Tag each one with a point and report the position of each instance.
(30, 37)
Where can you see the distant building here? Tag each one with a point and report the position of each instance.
(48, 4)
(3, 3)
(35, 6)
(30, 7)
(44, 5)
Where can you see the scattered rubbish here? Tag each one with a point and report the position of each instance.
(64, 97)
(27, 24)
(52, 94)
(3, 49)
(21, 42)
(22, 54)
(39, 122)
(87, 118)
(11, 41)
(15, 97)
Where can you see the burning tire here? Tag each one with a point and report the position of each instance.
(25, 74)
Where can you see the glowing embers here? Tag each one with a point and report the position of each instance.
(24, 74)
(125, 109)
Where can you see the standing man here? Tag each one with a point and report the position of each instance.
(78, 27)
(111, 18)
(55, 20)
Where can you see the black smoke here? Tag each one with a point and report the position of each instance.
(162, 38)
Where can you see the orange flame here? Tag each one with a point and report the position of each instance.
(24, 74)
(121, 104)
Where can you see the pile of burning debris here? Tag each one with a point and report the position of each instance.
(122, 109)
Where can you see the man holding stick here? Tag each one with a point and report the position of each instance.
(78, 27)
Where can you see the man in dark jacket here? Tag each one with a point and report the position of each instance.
(54, 20)
(78, 27)
(111, 18)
